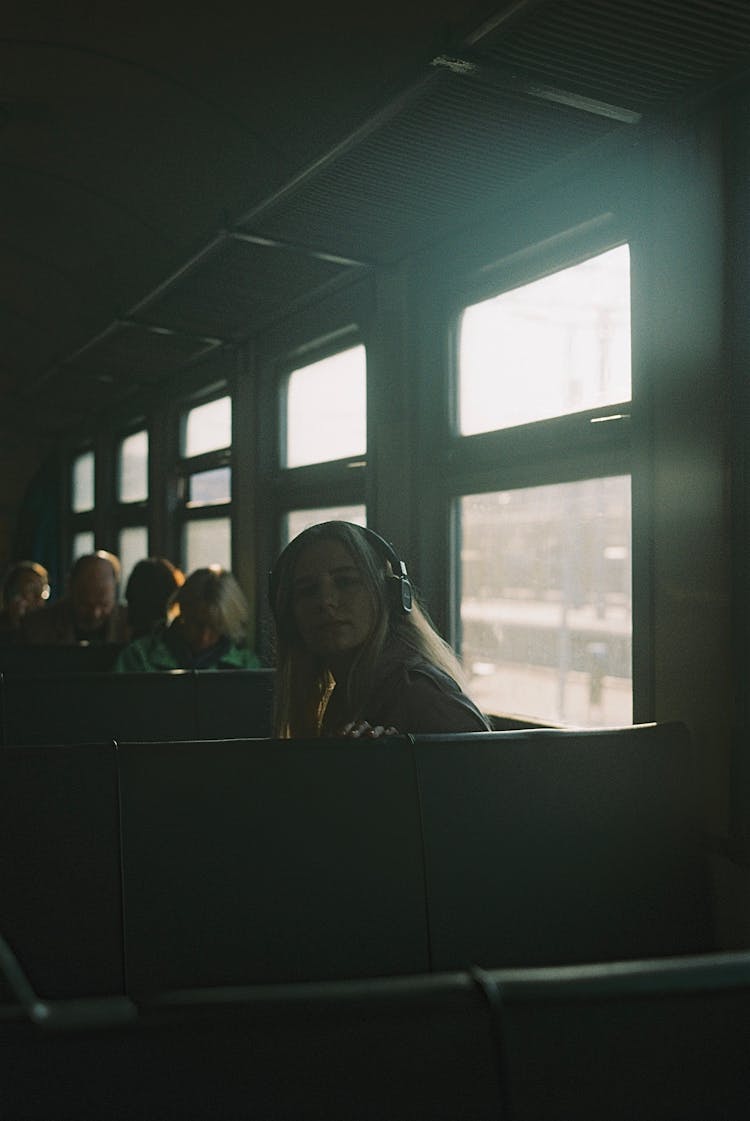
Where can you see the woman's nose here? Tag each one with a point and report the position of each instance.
(328, 593)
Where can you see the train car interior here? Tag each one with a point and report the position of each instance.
(474, 274)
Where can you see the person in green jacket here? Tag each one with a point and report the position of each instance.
(208, 634)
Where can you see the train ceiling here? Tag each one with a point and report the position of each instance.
(173, 179)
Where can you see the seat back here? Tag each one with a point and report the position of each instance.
(548, 846)
(416, 1048)
(96, 708)
(270, 861)
(151, 707)
(659, 1039)
(60, 901)
(233, 704)
(95, 657)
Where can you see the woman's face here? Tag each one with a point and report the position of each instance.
(198, 628)
(333, 608)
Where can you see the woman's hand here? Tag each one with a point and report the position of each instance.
(360, 729)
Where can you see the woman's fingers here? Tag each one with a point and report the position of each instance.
(360, 729)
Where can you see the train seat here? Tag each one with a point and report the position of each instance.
(552, 846)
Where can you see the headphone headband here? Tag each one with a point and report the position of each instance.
(403, 597)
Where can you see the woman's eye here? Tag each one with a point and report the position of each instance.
(348, 582)
(305, 591)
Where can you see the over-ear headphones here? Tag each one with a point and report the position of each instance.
(399, 586)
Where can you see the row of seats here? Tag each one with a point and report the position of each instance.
(95, 657)
(660, 1040)
(79, 708)
(142, 867)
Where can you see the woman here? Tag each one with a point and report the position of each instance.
(208, 633)
(356, 654)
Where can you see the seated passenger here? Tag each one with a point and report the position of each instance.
(356, 655)
(208, 634)
(88, 613)
(149, 594)
(25, 588)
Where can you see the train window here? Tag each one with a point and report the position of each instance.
(132, 547)
(82, 483)
(206, 482)
(132, 468)
(82, 544)
(209, 488)
(298, 520)
(326, 409)
(545, 601)
(207, 542)
(207, 427)
(555, 346)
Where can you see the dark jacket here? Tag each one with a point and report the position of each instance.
(55, 626)
(417, 698)
(165, 649)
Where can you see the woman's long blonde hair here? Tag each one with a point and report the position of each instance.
(303, 681)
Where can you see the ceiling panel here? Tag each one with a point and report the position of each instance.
(636, 53)
(137, 140)
(461, 145)
(238, 286)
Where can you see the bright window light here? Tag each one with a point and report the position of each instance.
(82, 483)
(553, 347)
(208, 427)
(326, 415)
(546, 617)
(132, 547)
(210, 488)
(206, 542)
(132, 483)
(83, 544)
(298, 520)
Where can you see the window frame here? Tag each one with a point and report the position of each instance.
(134, 514)
(188, 466)
(591, 443)
(331, 483)
(79, 521)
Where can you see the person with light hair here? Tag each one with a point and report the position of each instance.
(209, 633)
(356, 654)
(25, 589)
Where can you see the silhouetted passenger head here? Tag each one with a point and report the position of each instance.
(212, 607)
(25, 588)
(345, 613)
(150, 594)
(92, 589)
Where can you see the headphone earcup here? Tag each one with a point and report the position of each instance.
(399, 595)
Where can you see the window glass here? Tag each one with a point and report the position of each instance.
(553, 347)
(326, 409)
(298, 520)
(83, 543)
(132, 481)
(205, 542)
(132, 546)
(208, 427)
(82, 483)
(206, 488)
(546, 616)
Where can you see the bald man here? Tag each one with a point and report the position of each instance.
(90, 611)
